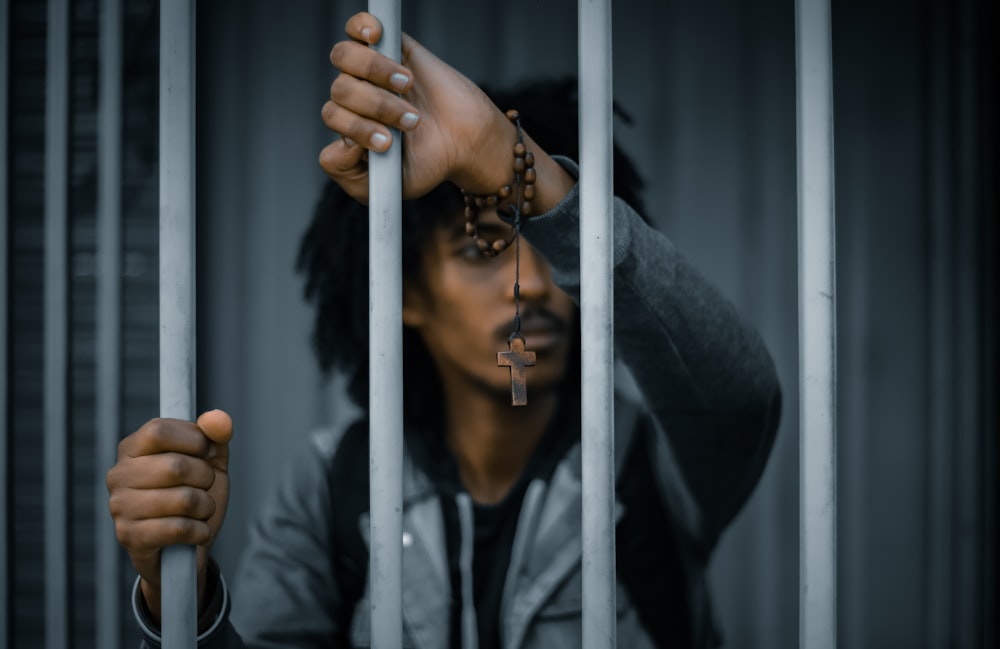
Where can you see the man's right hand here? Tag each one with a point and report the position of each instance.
(170, 486)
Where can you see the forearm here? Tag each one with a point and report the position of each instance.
(706, 376)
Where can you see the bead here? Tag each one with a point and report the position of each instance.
(511, 202)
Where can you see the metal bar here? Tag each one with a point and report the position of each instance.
(817, 328)
(385, 357)
(56, 352)
(108, 319)
(597, 324)
(177, 301)
(4, 309)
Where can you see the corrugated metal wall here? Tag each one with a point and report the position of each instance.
(25, 152)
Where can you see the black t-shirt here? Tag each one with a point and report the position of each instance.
(494, 527)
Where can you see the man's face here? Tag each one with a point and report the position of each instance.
(463, 307)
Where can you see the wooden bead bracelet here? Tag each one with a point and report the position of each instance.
(512, 201)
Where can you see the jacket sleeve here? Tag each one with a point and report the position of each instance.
(705, 375)
(284, 592)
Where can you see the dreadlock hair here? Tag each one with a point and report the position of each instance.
(333, 254)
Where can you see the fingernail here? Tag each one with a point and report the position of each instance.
(408, 120)
(398, 80)
(366, 33)
(349, 142)
(379, 140)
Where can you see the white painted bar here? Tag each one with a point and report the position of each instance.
(386, 357)
(4, 225)
(177, 272)
(817, 328)
(56, 362)
(597, 324)
(108, 320)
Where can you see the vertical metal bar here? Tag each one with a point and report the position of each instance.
(108, 320)
(4, 224)
(817, 328)
(597, 324)
(177, 302)
(56, 326)
(385, 356)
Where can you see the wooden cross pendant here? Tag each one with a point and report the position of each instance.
(516, 359)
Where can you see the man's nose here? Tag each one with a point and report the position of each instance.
(535, 274)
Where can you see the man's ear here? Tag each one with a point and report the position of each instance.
(414, 305)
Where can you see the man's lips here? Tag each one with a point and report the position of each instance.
(540, 327)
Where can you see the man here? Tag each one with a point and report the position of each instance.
(491, 544)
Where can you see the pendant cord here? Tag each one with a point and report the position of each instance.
(516, 209)
(517, 274)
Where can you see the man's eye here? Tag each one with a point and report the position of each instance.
(471, 252)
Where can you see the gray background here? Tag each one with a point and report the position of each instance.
(711, 88)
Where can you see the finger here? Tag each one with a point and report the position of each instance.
(344, 156)
(217, 425)
(155, 533)
(357, 129)
(160, 471)
(368, 102)
(346, 163)
(164, 436)
(143, 504)
(365, 63)
(364, 27)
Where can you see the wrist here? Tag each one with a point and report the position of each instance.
(487, 166)
(152, 598)
(490, 166)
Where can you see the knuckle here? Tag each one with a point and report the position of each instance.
(385, 113)
(123, 532)
(174, 468)
(187, 530)
(340, 88)
(359, 129)
(115, 504)
(327, 159)
(157, 430)
(189, 501)
(339, 53)
(329, 112)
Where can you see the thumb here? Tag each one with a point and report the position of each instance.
(217, 426)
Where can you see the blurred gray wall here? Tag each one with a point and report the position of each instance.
(711, 88)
